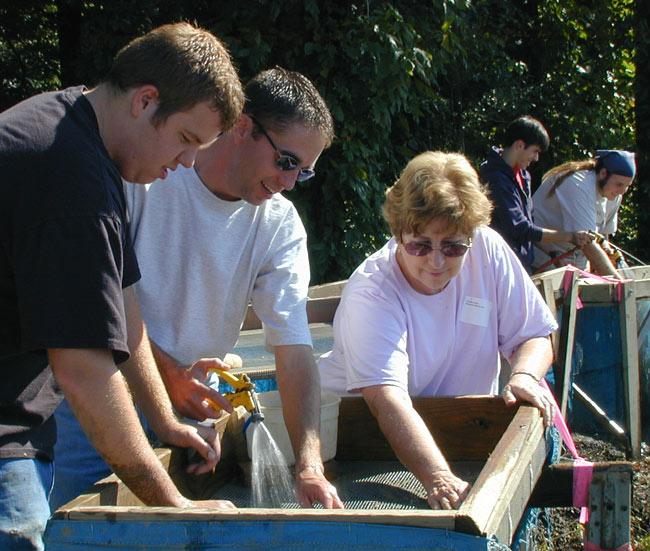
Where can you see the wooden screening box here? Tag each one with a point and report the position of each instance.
(501, 450)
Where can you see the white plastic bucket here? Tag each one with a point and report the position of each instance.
(271, 407)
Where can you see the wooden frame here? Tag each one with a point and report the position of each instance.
(602, 294)
(566, 340)
(598, 294)
(322, 301)
(631, 373)
(508, 443)
(610, 501)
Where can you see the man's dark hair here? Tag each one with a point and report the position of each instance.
(278, 98)
(527, 129)
(187, 65)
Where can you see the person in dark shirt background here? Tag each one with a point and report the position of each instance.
(508, 180)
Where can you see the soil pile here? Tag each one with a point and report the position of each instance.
(566, 532)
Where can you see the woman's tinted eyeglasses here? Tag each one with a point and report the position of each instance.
(284, 161)
(452, 249)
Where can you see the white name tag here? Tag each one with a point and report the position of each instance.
(476, 311)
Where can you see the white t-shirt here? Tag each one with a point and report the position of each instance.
(386, 333)
(574, 206)
(204, 259)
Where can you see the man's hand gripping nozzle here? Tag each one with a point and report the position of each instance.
(243, 395)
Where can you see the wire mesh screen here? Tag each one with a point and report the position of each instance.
(362, 485)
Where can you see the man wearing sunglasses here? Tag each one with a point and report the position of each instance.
(236, 240)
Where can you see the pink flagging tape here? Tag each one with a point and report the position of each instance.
(582, 469)
(566, 282)
(582, 474)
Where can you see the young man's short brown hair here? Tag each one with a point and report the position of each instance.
(187, 65)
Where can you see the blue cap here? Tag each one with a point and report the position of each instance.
(617, 162)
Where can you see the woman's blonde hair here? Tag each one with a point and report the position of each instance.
(437, 186)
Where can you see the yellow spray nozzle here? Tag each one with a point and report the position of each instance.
(598, 237)
(244, 394)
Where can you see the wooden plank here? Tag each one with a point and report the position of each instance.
(599, 294)
(642, 288)
(555, 485)
(322, 310)
(333, 289)
(548, 294)
(554, 276)
(231, 534)
(424, 518)
(639, 272)
(499, 497)
(466, 428)
(109, 490)
(566, 341)
(322, 301)
(609, 503)
(88, 499)
(631, 375)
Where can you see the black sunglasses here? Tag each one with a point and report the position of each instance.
(284, 161)
(452, 249)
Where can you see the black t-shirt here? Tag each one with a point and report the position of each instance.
(65, 255)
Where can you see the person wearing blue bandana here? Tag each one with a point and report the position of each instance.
(584, 195)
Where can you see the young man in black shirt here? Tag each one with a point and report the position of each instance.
(67, 265)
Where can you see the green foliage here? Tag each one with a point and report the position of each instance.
(400, 77)
(640, 194)
(28, 51)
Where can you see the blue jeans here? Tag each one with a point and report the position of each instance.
(77, 465)
(25, 485)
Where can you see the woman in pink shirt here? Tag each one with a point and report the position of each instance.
(430, 313)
